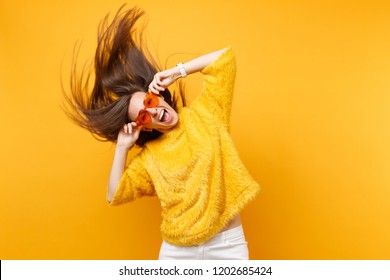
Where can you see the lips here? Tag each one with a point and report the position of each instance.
(164, 116)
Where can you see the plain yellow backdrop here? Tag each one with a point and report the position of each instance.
(310, 120)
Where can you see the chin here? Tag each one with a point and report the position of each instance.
(166, 128)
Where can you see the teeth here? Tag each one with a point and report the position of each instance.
(161, 114)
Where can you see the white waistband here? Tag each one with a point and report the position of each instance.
(221, 236)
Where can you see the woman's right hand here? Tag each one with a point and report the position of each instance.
(163, 79)
(128, 135)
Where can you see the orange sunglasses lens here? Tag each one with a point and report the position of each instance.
(151, 100)
(143, 118)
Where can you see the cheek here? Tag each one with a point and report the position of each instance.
(131, 118)
(132, 113)
(135, 105)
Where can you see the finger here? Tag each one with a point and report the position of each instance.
(152, 89)
(157, 77)
(159, 88)
(125, 128)
(135, 127)
(130, 128)
(156, 89)
(158, 84)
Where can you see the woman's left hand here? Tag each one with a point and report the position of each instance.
(163, 79)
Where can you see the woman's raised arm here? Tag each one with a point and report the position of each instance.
(126, 139)
(165, 78)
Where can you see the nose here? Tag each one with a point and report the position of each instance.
(152, 111)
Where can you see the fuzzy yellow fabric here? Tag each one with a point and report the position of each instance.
(194, 169)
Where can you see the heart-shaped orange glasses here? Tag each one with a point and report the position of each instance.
(151, 100)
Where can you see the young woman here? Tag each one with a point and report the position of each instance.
(188, 159)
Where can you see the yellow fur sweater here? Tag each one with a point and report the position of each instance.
(194, 169)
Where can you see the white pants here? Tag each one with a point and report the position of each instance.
(226, 245)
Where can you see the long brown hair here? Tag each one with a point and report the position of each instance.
(122, 66)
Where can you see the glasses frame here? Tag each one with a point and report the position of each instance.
(151, 100)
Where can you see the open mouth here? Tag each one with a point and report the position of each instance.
(164, 116)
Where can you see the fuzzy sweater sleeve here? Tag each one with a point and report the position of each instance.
(135, 183)
(218, 86)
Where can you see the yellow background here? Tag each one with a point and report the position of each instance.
(310, 120)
